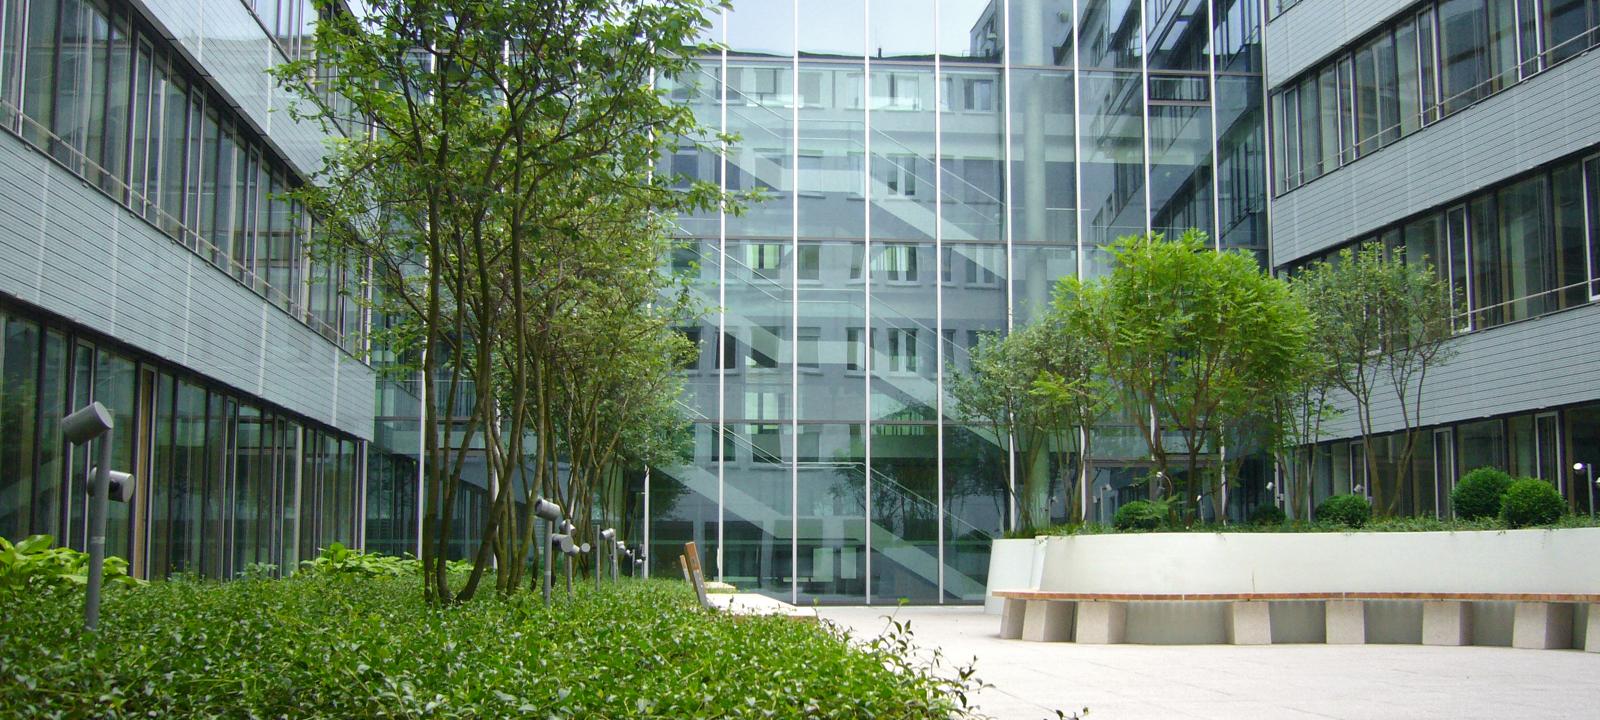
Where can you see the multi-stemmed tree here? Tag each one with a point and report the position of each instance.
(495, 169)
(1383, 324)
(1196, 340)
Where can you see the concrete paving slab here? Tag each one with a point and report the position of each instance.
(1132, 682)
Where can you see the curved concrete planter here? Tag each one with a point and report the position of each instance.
(1512, 561)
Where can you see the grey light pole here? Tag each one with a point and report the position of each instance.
(602, 539)
(551, 514)
(1589, 469)
(82, 426)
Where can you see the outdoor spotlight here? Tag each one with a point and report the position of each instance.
(567, 526)
(87, 423)
(1578, 467)
(562, 542)
(608, 534)
(546, 510)
(584, 548)
(119, 487)
(622, 545)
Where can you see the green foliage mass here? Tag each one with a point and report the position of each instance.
(1349, 510)
(346, 645)
(1531, 501)
(1268, 515)
(1375, 525)
(32, 565)
(1478, 493)
(1141, 515)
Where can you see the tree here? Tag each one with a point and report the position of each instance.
(1197, 340)
(496, 170)
(1072, 388)
(1384, 324)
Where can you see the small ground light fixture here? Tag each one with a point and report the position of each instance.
(551, 514)
(1588, 468)
(602, 543)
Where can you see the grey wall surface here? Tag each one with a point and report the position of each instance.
(1544, 118)
(225, 42)
(1525, 365)
(1312, 30)
(68, 248)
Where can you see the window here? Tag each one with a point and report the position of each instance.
(897, 262)
(1591, 185)
(810, 262)
(1463, 30)
(854, 352)
(808, 350)
(902, 350)
(763, 259)
(1460, 284)
(764, 344)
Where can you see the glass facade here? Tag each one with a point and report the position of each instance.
(930, 170)
(1519, 250)
(90, 84)
(1422, 65)
(224, 481)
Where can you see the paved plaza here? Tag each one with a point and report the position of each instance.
(1135, 682)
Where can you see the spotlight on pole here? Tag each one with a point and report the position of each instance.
(602, 542)
(551, 514)
(83, 425)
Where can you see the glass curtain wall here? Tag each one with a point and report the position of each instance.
(913, 202)
(220, 486)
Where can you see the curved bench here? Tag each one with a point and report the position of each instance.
(1542, 620)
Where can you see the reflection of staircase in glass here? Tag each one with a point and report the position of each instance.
(918, 561)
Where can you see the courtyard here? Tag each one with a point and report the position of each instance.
(1135, 682)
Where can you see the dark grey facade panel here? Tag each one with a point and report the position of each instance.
(227, 44)
(67, 248)
(1538, 363)
(1535, 122)
(1313, 29)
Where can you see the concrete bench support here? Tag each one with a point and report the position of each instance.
(1591, 638)
(1012, 612)
(1542, 625)
(1446, 622)
(1047, 621)
(1346, 622)
(1249, 623)
(1102, 623)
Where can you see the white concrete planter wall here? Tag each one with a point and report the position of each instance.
(1511, 561)
(1013, 564)
(1507, 562)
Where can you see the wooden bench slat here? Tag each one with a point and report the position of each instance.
(1269, 596)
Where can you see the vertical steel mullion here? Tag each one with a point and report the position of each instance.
(866, 277)
(794, 313)
(1211, 79)
(1077, 208)
(644, 547)
(722, 288)
(938, 290)
(1144, 115)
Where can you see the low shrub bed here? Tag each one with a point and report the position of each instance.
(1391, 524)
(346, 645)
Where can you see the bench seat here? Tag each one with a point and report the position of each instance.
(1541, 620)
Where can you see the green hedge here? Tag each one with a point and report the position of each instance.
(1140, 515)
(1531, 501)
(1478, 493)
(1349, 510)
(347, 645)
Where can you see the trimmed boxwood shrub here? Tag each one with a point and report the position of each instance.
(1350, 510)
(1478, 493)
(1531, 501)
(1140, 515)
(1268, 515)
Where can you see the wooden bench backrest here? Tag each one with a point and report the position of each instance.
(691, 564)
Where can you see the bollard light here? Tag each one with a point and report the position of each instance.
(83, 425)
(550, 513)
